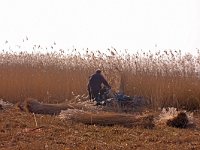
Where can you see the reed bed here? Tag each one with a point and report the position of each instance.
(167, 79)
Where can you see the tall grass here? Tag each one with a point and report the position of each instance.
(167, 78)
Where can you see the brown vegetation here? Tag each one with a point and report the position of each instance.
(21, 131)
(166, 78)
(111, 119)
(34, 106)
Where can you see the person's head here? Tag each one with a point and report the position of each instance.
(98, 71)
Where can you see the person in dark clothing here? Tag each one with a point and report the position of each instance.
(94, 85)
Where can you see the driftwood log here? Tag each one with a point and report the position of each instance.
(34, 106)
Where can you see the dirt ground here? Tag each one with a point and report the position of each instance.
(21, 131)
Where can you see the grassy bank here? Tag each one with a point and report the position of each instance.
(167, 78)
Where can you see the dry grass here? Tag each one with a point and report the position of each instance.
(167, 78)
(22, 131)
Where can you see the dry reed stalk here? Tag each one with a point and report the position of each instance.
(36, 124)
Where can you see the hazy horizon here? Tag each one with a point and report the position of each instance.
(99, 25)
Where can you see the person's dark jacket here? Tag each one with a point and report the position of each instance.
(95, 82)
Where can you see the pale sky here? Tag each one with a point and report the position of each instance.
(102, 24)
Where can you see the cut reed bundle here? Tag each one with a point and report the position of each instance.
(34, 106)
(108, 118)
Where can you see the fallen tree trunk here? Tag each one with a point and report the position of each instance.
(34, 106)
